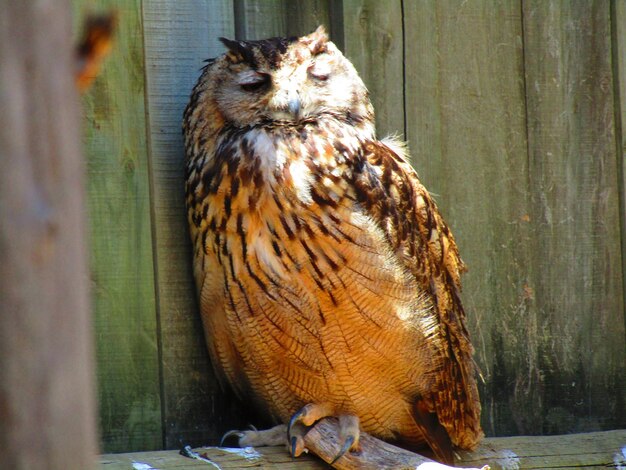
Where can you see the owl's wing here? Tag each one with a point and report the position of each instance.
(390, 191)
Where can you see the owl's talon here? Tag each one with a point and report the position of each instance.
(297, 446)
(345, 448)
(292, 422)
(254, 438)
(231, 433)
(298, 419)
(294, 443)
(350, 433)
(309, 414)
(299, 423)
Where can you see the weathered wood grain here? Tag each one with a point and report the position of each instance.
(178, 38)
(579, 378)
(304, 17)
(598, 450)
(122, 271)
(47, 406)
(573, 451)
(618, 58)
(259, 19)
(372, 40)
(222, 458)
(467, 135)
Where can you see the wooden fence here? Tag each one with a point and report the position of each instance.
(513, 113)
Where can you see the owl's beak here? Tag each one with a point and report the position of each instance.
(294, 106)
(286, 104)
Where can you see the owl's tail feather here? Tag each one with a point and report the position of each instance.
(433, 432)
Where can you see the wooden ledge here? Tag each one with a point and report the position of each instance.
(599, 450)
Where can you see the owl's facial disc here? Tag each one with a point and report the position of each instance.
(289, 80)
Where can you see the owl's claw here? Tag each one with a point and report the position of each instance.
(295, 436)
(231, 433)
(236, 432)
(308, 415)
(297, 446)
(350, 434)
(299, 423)
(345, 448)
(292, 422)
(255, 438)
(294, 444)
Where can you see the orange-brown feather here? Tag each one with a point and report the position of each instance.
(424, 243)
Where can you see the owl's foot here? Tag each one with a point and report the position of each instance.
(308, 415)
(254, 438)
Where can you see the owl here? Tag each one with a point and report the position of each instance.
(328, 280)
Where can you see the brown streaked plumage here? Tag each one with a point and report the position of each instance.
(326, 274)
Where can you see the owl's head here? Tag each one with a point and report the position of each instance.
(285, 80)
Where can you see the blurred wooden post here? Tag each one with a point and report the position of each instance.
(46, 387)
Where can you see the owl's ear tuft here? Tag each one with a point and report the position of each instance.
(317, 40)
(239, 51)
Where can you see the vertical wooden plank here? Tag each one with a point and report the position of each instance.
(121, 245)
(618, 47)
(575, 216)
(304, 17)
(467, 134)
(372, 40)
(424, 96)
(178, 38)
(260, 19)
(47, 407)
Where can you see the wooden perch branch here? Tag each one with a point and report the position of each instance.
(321, 440)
